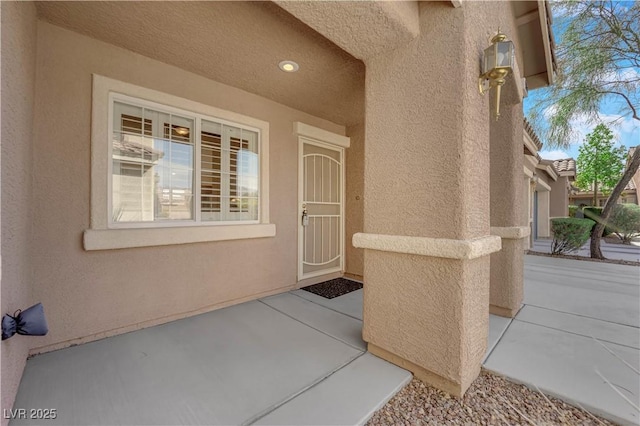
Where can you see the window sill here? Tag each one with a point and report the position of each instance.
(109, 239)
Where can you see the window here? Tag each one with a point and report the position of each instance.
(168, 170)
(170, 166)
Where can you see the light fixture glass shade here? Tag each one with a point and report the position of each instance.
(489, 59)
(505, 54)
(498, 55)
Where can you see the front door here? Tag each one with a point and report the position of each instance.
(320, 219)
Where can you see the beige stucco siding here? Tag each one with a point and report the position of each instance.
(506, 162)
(117, 290)
(559, 203)
(542, 188)
(545, 178)
(402, 205)
(354, 220)
(543, 214)
(427, 175)
(18, 77)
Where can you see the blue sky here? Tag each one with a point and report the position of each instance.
(625, 129)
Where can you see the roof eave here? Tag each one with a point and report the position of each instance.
(539, 49)
(547, 39)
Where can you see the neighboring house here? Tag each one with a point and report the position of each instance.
(629, 195)
(581, 198)
(248, 179)
(546, 186)
(566, 170)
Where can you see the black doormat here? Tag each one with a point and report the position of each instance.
(333, 288)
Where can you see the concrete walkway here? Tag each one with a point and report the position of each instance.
(609, 251)
(577, 329)
(280, 360)
(298, 358)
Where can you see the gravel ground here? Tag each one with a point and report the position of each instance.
(491, 400)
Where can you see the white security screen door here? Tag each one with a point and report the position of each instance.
(320, 220)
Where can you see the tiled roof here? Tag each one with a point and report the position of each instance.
(565, 165)
(532, 134)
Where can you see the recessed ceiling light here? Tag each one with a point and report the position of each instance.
(288, 66)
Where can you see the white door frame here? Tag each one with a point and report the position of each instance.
(302, 140)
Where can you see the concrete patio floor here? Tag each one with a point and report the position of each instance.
(298, 358)
(279, 360)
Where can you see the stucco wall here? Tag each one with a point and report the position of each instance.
(506, 160)
(401, 203)
(544, 177)
(526, 208)
(354, 220)
(543, 203)
(507, 200)
(93, 294)
(543, 214)
(559, 198)
(18, 79)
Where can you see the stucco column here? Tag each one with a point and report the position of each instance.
(507, 206)
(426, 207)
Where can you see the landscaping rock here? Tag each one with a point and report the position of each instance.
(491, 400)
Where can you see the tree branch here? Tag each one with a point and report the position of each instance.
(631, 106)
(597, 231)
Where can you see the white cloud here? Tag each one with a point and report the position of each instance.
(550, 111)
(555, 154)
(623, 75)
(619, 124)
(560, 10)
(624, 129)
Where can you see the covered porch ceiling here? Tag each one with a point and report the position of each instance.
(241, 43)
(235, 43)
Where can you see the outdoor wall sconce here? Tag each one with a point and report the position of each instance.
(497, 63)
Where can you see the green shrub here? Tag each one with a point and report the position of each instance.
(594, 214)
(569, 234)
(624, 220)
(572, 210)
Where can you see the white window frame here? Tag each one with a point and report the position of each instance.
(196, 221)
(104, 234)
